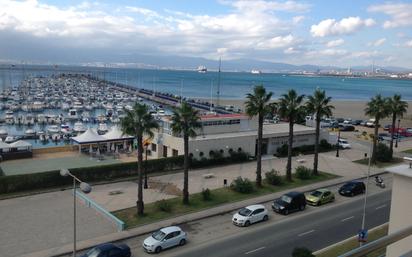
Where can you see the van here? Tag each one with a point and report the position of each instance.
(289, 202)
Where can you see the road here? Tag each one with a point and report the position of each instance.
(315, 231)
(315, 228)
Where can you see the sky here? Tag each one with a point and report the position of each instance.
(339, 33)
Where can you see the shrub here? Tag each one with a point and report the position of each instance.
(163, 205)
(283, 150)
(324, 145)
(206, 194)
(273, 177)
(241, 185)
(364, 133)
(302, 252)
(383, 153)
(303, 173)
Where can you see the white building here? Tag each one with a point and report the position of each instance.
(230, 132)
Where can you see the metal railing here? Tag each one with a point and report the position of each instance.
(90, 203)
(381, 243)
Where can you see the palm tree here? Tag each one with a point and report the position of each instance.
(139, 122)
(377, 107)
(185, 120)
(258, 104)
(318, 105)
(397, 108)
(290, 108)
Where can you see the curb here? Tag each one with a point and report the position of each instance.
(347, 240)
(189, 217)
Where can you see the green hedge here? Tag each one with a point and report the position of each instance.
(15, 183)
(43, 180)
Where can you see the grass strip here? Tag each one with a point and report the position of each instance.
(344, 247)
(218, 197)
(379, 164)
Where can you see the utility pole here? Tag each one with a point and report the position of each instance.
(218, 84)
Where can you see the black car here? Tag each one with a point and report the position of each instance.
(290, 202)
(356, 122)
(108, 249)
(346, 127)
(352, 188)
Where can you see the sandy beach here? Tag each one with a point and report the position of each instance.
(344, 109)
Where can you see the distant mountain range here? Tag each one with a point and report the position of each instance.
(191, 63)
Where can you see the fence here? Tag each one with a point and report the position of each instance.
(90, 203)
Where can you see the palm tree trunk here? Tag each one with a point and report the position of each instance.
(139, 203)
(375, 139)
(393, 132)
(186, 170)
(290, 146)
(316, 157)
(259, 153)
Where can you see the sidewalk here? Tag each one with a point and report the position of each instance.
(58, 251)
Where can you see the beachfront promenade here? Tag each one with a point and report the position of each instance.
(48, 217)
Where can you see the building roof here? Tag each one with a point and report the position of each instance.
(89, 137)
(402, 170)
(224, 116)
(269, 130)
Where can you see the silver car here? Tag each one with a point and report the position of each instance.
(164, 238)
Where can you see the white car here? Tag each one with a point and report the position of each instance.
(250, 214)
(343, 143)
(164, 238)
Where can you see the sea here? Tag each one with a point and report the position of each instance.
(230, 85)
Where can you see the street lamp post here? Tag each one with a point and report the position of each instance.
(86, 188)
(366, 191)
(337, 144)
(397, 134)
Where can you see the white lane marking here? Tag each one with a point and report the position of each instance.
(345, 219)
(257, 249)
(307, 232)
(380, 207)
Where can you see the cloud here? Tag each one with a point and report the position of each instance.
(400, 13)
(260, 5)
(378, 42)
(408, 43)
(298, 19)
(331, 27)
(335, 43)
(327, 52)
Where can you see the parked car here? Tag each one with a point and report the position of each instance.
(387, 127)
(250, 214)
(357, 122)
(352, 188)
(290, 202)
(370, 123)
(109, 249)
(345, 127)
(320, 196)
(363, 123)
(165, 238)
(343, 143)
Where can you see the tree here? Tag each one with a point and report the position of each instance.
(185, 120)
(377, 108)
(258, 105)
(318, 105)
(139, 122)
(290, 108)
(302, 252)
(397, 108)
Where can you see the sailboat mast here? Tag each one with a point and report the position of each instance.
(218, 84)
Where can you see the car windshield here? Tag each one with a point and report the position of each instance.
(316, 193)
(158, 235)
(349, 186)
(286, 198)
(244, 212)
(343, 141)
(93, 252)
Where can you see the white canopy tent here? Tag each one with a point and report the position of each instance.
(89, 137)
(115, 134)
(21, 145)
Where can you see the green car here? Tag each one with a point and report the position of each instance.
(320, 196)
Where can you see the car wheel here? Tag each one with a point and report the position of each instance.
(247, 223)
(318, 203)
(158, 249)
(302, 207)
(352, 194)
(265, 218)
(182, 242)
(286, 212)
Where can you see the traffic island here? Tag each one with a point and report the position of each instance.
(165, 209)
